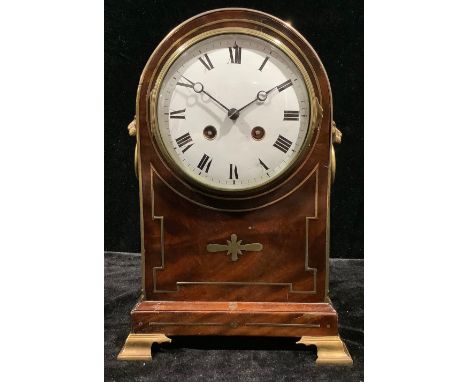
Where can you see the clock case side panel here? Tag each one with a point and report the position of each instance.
(156, 240)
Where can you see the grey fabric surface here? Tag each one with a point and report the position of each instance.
(229, 358)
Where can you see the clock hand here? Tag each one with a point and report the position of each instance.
(261, 96)
(198, 88)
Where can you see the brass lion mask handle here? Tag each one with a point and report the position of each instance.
(132, 130)
(336, 138)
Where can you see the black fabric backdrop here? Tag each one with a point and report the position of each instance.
(228, 359)
(133, 28)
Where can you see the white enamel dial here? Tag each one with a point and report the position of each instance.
(233, 112)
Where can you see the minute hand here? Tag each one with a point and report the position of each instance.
(214, 99)
(202, 90)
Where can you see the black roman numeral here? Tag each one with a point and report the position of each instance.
(175, 114)
(183, 139)
(236, 57)
(284, 85)
(204, 162)
(291, 115)
(233, 172)
(186, 148)
(208, 63)
(282, 144)
(263, 63)
(263, 164)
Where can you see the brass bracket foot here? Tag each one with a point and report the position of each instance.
(137, 347)
(331, 350)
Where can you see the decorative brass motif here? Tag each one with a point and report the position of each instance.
(234, 247)
(138, 346)
(331, 350)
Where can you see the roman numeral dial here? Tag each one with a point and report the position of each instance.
(205, 60)
(233, 174)
(205, 163)
(284, 85)
(291, 115)
(235, 54)
(263, 63)
(184, 140)
(178, 114)
(263, 164)
(283, 144)
(232, 112)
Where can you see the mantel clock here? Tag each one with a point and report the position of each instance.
(235, 161)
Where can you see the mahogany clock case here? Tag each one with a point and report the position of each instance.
(131, 35)
(288, 218)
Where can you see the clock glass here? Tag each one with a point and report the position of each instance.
(233, 112)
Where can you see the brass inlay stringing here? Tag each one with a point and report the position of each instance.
(154, 217)
(234, 247)
(283, 325)
(234, 324)
(289, 285)
(153, 323)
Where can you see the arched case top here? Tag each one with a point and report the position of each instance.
(237, 20)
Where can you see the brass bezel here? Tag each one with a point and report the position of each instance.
(315, 111)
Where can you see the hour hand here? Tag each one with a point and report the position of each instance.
(261, 96)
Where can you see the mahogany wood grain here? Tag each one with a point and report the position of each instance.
(234, 318)
(279, 290)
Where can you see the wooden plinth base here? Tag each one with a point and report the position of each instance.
(315, 323)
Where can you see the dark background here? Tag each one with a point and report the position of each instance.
(133, 29)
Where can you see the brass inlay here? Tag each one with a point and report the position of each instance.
(283, 325)
(317, 102)
(225, 248)
(187, 324)
(161, 232)
(236, 283)
(234, 247)
(314, 172)
(273, 324)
